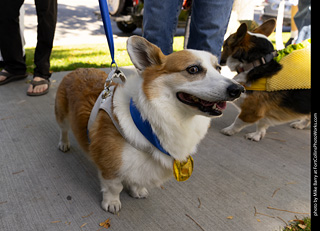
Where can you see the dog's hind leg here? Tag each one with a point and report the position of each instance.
(61, 113)
(64, 144)
(301, 124)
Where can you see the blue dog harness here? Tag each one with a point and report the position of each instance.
(142, 125)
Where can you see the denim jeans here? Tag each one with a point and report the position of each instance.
(209, 21)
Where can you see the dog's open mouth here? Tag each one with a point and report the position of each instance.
(212, 108)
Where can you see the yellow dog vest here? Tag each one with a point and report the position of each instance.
(295, 73)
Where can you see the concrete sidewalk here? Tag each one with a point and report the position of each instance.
(42, 188)
(233, 183)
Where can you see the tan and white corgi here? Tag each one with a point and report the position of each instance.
(251, 54)
(177, 94)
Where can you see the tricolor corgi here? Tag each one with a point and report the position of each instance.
(252, 55)
(177, 95)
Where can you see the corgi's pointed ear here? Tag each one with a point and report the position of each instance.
(143, 53)
(267, 27)
(240, 34)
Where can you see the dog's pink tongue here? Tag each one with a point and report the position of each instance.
(222, 105)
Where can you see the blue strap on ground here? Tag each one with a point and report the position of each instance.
(107, 26)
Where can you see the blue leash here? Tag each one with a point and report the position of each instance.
(107, 27)
(143, 126)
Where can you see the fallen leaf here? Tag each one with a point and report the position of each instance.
(230, 217)
(105, 224)
(259, 220)
(302, 226)
(300, 221)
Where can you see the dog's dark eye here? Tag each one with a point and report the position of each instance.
(194, 69)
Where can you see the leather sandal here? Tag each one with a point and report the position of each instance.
(37, 83)
(11, 77)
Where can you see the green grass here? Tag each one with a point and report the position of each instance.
(299, 225)
(66, 58)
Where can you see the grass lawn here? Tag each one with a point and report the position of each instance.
(66, 58)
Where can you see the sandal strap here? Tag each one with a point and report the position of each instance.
(37, 83)
(5, 74)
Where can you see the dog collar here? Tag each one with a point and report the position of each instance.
(182, 170)
(256, 63)
(276, 55)
(145, 128)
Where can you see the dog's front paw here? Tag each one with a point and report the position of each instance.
(138, 193)
(255, 136)
(64, 146)
(112, 206)
(228, 131)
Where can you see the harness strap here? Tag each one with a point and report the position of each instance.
(106, 106)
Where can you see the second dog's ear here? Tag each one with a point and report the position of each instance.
(143, 53)
(266, 28)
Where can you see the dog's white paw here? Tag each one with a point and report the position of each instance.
(64, 146)
(112, 206)
(301, 124)
(255, 136)
(138, 192)
(228, 131)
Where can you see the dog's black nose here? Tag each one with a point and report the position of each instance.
(235, 90)
(223, 62)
